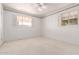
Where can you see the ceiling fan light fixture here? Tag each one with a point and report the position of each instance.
(44, 7)
(40, 9)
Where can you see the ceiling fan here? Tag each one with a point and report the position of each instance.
(40, 6)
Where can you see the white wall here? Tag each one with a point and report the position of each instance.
(1, 23)
(13, 31)
(52, 29)
(48, 27)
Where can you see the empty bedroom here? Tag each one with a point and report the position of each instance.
(39, 28)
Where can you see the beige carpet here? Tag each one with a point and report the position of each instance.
(39, 46)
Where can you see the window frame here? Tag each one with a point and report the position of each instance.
(68, 18)
(21, 20)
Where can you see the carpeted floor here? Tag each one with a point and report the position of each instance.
(38, 46)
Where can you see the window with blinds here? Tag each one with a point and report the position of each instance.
(24, 20)
(70, 18)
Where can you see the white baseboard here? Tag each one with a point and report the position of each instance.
(21, 38)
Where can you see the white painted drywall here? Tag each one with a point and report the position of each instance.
(1, 23)
(14, 31)
(52, 29)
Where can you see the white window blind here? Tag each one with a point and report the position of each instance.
(24, 20)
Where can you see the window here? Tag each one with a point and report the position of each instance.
(24, 20)
(70, 18)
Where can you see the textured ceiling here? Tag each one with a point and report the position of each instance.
(32, 9)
